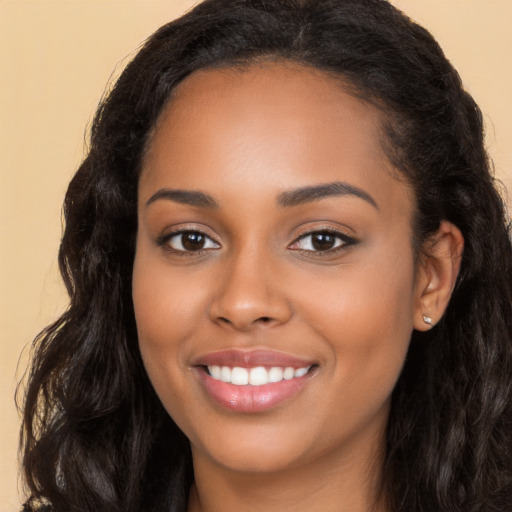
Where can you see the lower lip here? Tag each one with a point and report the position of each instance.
(250, 399)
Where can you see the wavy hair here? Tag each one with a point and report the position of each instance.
(95, 436)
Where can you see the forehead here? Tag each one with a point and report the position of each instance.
(274, 86)
(274, 97)
(274, 123)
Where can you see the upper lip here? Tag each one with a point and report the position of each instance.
(251, 358)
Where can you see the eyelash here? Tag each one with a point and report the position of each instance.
(164, 242)
(342, 239)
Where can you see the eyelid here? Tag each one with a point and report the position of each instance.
(347, 241)
(163, 240)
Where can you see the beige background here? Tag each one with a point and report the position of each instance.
(55, 59)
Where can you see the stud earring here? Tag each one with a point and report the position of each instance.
(427, 319)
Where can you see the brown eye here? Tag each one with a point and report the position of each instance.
(191, 241)
(322, 241)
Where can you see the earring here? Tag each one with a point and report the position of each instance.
(427, 319)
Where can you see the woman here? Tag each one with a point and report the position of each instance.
(290, 278)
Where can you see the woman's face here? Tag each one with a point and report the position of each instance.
(274, 250)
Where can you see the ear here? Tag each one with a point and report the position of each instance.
(437, 271)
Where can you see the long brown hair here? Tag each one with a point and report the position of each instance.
(95, 437)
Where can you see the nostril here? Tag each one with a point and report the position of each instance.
(261, 319)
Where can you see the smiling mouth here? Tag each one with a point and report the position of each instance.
(256, 376)
(253, 389)
(253, 381)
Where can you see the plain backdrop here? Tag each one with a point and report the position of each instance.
(55, 60)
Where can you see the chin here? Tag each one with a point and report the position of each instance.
(260, 449)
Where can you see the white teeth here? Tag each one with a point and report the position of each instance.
(215, 372)
(275, 374)
(257, 376)
(288, 373)
(225, 374)
(301, 372)
(239, 376)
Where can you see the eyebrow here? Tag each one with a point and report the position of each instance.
(286, 199)
(309, 194)
(190, 197)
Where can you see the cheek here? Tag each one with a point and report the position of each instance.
(364, 315)
(167, 309)
(167, 304)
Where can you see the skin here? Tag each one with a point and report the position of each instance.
(245, 137)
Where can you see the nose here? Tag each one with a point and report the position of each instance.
(250, 294)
